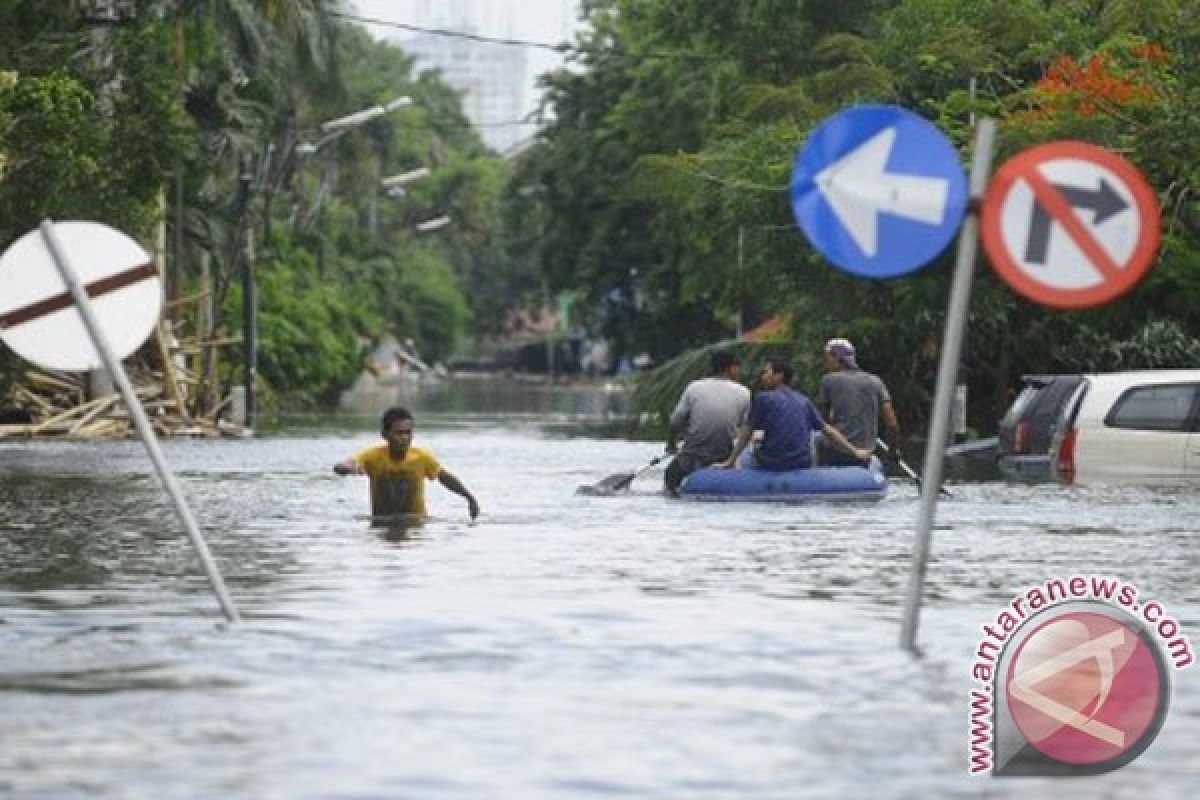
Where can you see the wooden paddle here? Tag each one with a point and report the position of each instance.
(618, 482)
(909, 471)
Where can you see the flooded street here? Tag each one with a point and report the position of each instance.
(561, 647)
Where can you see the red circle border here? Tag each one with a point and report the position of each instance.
(1004, 264)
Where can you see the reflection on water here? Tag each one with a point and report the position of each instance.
(560, 647)
(398, 528)
(496, 395)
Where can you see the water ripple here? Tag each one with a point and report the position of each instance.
(562, 646)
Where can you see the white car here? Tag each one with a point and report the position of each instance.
(1141, 426)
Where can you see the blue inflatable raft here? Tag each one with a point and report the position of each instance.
(789, 486)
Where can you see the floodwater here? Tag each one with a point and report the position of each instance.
(561, 647)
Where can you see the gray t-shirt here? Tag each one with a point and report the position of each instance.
(853, 399)
(708, 414)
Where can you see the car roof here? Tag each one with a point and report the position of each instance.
(1143, 376)
(1042, 379)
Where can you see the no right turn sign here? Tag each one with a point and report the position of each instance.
(1070, 225)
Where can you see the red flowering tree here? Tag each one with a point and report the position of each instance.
(1105, 97)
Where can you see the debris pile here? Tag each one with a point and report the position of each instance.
(60, 405)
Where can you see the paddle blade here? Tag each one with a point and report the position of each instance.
(613, 484)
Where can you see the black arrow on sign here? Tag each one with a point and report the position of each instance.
(1103, 201)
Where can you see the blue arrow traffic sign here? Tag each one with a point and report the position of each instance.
(878, 190)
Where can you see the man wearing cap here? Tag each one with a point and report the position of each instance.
(707, 416)
(853, 401)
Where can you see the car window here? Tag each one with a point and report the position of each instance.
(1153, 408)
(1052, 398)
(1020, 404)
(1045, 411)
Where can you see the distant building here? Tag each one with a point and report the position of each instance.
(498, 79)
(493, 76)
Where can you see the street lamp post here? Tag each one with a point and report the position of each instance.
(336, 128)
(333, 129)
(249, 306)
(395, 187)
(366, 115)
(404, 178)
(433, 224)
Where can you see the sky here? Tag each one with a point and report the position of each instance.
(541, 20)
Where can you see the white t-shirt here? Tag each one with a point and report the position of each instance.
(708, 414)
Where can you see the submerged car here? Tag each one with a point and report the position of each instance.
(1026, 431)
(1141, 426)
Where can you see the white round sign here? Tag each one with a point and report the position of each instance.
(38, 318)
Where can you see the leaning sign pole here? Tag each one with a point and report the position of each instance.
(124, 285)
(939, 426)
(880, 192)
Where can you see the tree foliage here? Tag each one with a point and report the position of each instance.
(657, 191)
(192, 116)
(670, 143)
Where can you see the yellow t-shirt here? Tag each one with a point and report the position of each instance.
(396, 486)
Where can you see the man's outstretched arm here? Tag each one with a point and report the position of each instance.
(349, 467)
(455, 485)
(835, 436)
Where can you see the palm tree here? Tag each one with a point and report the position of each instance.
(245, 68)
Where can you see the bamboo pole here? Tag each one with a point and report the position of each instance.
(168, 371)
(183, 301)
(101, 404)
(71, 412)
(57, 382)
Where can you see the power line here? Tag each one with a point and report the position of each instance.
(561, 47)
(512, 123)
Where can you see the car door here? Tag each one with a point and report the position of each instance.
(1191, 455)
(1191, 463)
(1147, 432)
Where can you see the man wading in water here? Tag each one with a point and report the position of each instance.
(398, 470)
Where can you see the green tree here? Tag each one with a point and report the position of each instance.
(710, 199)
(224, 93)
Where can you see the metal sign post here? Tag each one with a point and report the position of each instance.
(136, 413)
(956, 321)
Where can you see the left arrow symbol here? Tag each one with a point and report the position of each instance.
(858, 189)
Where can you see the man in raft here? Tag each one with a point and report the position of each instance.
(787, 419)
(708, 415)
